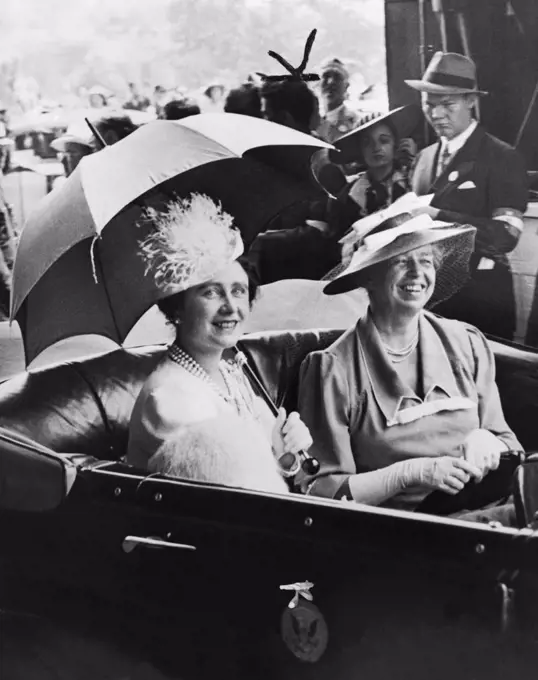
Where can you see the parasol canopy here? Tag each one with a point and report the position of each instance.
(78, 269)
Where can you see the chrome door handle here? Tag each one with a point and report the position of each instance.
(131, 542)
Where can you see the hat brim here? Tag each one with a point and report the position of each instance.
(60, 143)
(355, 276)
(404, 119)
(433, 88)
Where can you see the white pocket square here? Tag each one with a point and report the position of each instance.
(467, 185)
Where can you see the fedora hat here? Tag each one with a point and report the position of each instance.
(401, 234)
(448, 73)
(403, 120)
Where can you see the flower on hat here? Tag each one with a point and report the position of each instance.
(191, 240)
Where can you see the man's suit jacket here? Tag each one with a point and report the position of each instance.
(483, 177)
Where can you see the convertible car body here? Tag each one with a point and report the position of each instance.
(202, 579)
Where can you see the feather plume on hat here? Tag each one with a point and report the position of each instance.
(294, 74)
(191, 241)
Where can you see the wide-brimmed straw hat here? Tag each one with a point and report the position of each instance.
(448, 73)
(190, 242)
(404, 121)
(401, 234)
(76, 133)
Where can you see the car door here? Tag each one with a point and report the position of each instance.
(209, 580)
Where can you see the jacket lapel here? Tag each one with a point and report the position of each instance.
(423, 174)
(433, 169)
(466, 155)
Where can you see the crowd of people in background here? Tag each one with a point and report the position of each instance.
(322, 110)
(375, 167)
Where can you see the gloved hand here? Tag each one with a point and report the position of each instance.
(445, 473)
(290, 434)
(483, 449)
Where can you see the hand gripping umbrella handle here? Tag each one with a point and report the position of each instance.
(309, 464)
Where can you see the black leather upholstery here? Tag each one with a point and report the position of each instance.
(276, 358)
(517, 379)
(84, 407)
(80, 407)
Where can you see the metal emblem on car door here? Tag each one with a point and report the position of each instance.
(303, 626)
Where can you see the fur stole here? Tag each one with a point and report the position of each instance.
(225, 450)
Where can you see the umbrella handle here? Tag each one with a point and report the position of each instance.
(309, 464)
(95, 132)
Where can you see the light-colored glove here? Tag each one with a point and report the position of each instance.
(483, 449)
(290, 434)
(443, 473)
(446, 473)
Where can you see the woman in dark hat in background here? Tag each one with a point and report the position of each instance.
(384, 148)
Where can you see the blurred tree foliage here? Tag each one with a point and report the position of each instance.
(67, 44)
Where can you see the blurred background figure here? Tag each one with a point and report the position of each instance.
(6, 143)
(79, 141)
(136, 101)
(98, 97)
(291, 103)
(339, 117)
(72, 147)
(245, 100)
(4, 121)
(7, 252)
(179, 108)
(213, 98)
(160, 97)
(112, 128)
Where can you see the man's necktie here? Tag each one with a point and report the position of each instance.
(444, 160)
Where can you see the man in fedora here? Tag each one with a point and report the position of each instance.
(475, 179)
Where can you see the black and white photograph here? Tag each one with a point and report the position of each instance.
(268, 339)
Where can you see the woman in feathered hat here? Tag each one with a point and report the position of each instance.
(405, 402)
(197, 415)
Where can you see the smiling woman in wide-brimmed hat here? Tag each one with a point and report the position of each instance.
(405, 401)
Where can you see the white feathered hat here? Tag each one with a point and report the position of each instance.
(191, 241)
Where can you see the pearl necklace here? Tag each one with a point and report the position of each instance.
(398, 355)
(234, 396)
